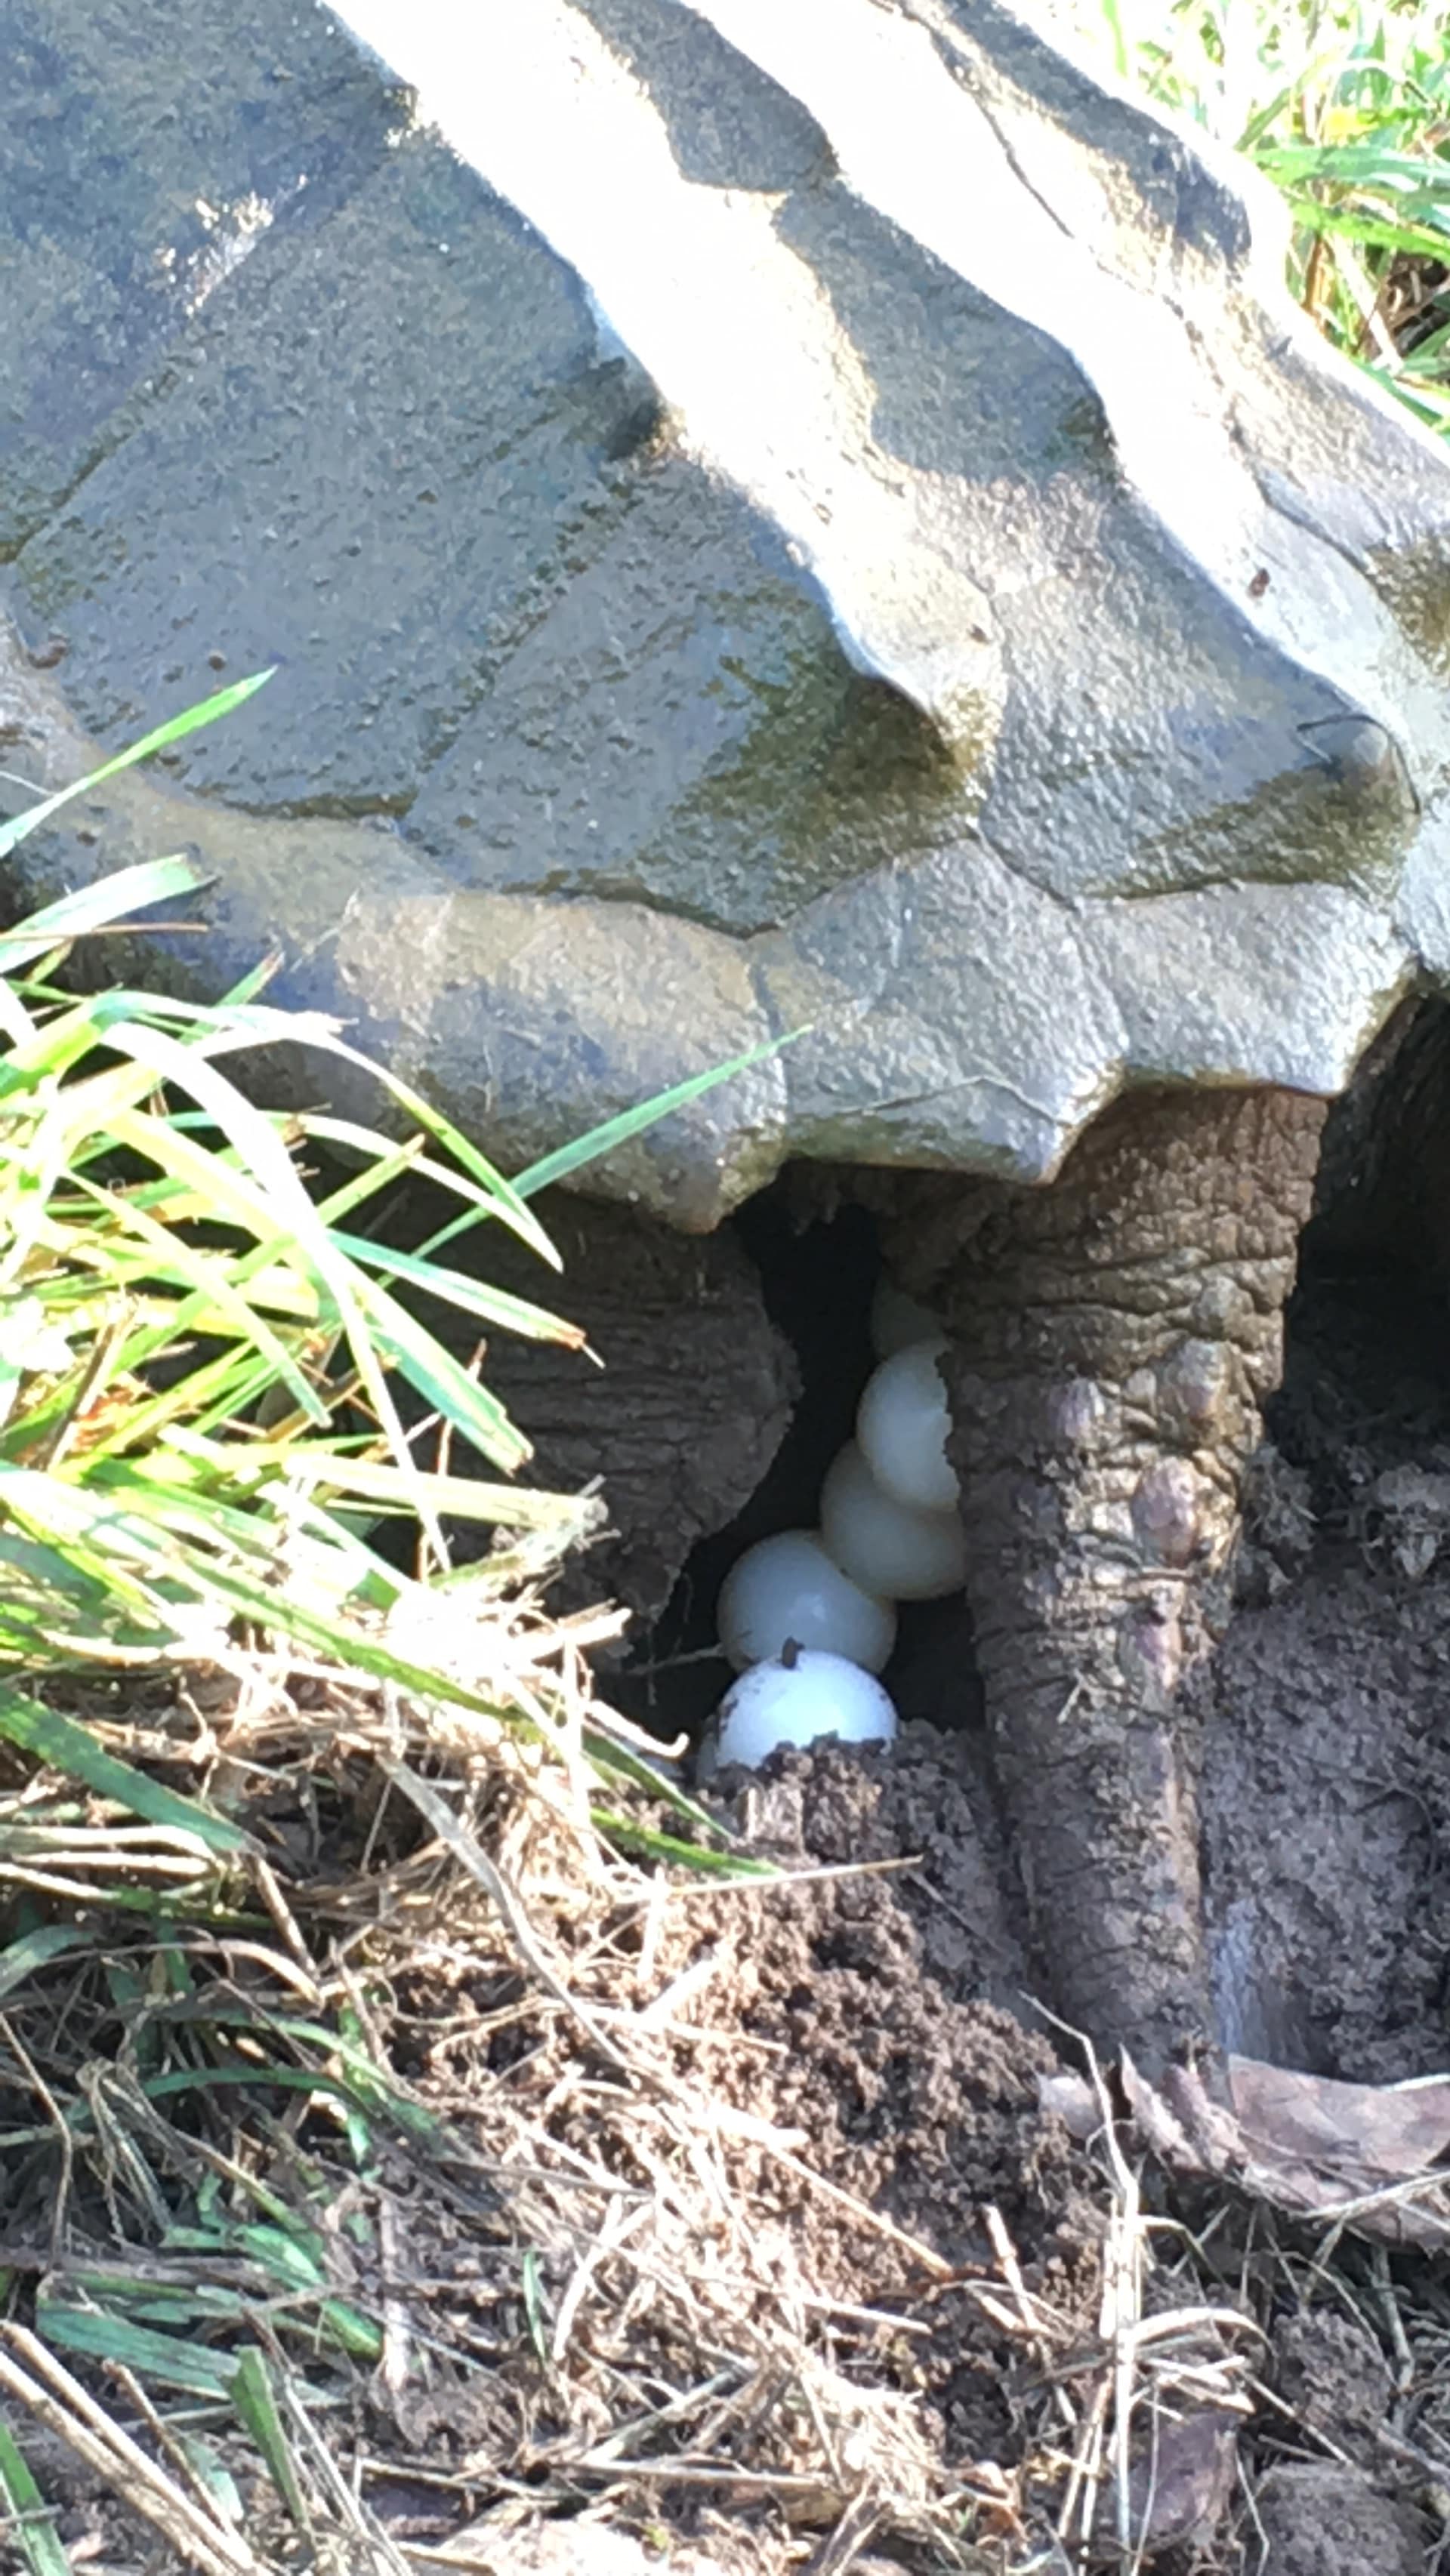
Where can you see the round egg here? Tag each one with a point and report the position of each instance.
(798, 1702)
(897, 1321)
(882, 1544)
(790, 1587)
(902, 1425)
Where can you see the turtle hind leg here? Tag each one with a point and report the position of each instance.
(1114, 1338)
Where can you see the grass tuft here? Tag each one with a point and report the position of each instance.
(204, 1368)
(1346, 107)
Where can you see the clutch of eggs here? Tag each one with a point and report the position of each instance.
(807, 1617)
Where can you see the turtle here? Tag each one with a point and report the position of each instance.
(819, 531)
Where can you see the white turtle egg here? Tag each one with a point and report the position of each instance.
(897, 1321)
(882, 1544)
(795, 1703)
(790, 1587)
(902, 1424)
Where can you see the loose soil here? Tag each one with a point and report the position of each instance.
(855, 2009)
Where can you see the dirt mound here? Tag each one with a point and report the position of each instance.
(858, 2019)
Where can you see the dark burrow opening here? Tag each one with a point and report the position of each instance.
(819, 1273)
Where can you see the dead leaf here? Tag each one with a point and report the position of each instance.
(1367, 2156)
(1181, 2489)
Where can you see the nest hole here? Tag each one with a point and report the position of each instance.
(818, 1274)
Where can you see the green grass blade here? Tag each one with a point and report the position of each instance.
(296, 2263)
(256, 2407)
(16, 1025)
(617, 1131)
(650, 1844)
(534, 2310)
(1113, 21)
(389, 1162)
(1367, 164)
(263, 1151)
(30, 1951)
(213, 1301)
(621, 1762)
(255, 981)
(265, 1026)
(505, 1197)
(470, 1296)
(442, 1381)
(213, 2477)
(633, 1122)
(255, 2078)
(1375, 232)
(68, 1747)
(453, 1497)
(303, 2298)
(165, 2358)
(32, 2531)
(94, 907)
(206, 712)
(223, 1190)
(284, 1616)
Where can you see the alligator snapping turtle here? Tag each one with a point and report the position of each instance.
(819, 516)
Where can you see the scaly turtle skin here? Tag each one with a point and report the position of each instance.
(1115, 1336)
